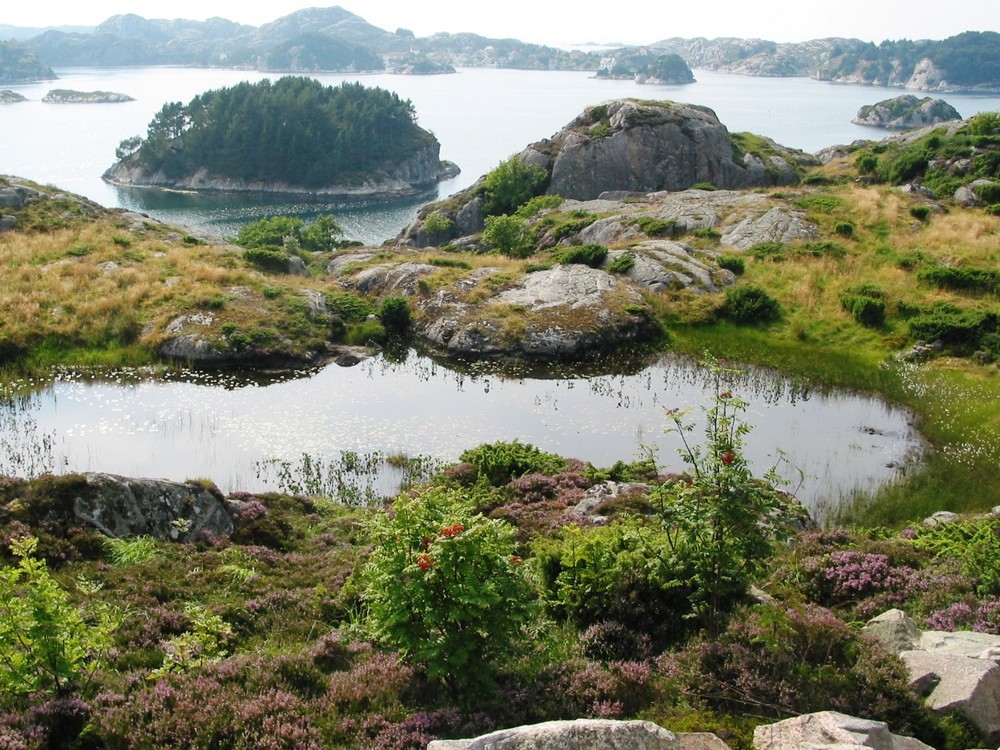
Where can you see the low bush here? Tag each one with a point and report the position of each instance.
(656, 227)
(770, 250)
(961, 278)
(587, 255)
(865, 303)
(749, 305)
(622, 264)
(952, 325)
(509, 235)
(920, 213)
(267, 259)
(734, 263)
(500, 462)
(394, 312)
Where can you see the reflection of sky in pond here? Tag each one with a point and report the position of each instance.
(185, 429)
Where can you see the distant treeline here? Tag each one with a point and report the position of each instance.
(294, 130)
(969, 59)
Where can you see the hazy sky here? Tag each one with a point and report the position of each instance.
(560, 23)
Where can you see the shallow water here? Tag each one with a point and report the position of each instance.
(195, 425)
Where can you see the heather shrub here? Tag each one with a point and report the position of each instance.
(845, 577)
(445, 588)
(612, 641)
(777, 662)
(577, 688)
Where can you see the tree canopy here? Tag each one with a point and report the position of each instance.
(294, 130)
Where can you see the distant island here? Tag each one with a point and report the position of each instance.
(68, 96)
(11, 97)
(290, 136)
(906, 112)
(334, 39)
(647, 66)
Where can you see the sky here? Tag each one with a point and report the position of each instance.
(561, 23)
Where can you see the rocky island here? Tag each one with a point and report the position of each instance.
(292, 136)
(906, 112)
(11, 97)
(68, 96)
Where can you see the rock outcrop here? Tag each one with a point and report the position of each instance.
(906, 112)
(121, 507)
(645, 147)
(11, 97)
(68, 96)
(958, 672)
(830, 729)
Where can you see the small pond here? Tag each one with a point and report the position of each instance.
(239, 432)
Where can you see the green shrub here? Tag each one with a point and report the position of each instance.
(450, 263)
(866, 304)
(961, 278)
(587, 255)
(349, 307)
(498, 463)
(707, 233)
(537, 204)
(724, 522)
(444, 587)
(734, 263)
(656, 227)
(618, 573)
(600, 130)
(509, 235)
(749, 305)
(269, 232)
(920, 213)
(274, 261)
(844, 229)
(866, 162)
(394, 312)
(770, 250)
(509, 185)
(988, 192)
(437, 227)
(952, 325)
(820, 203)
(993, 209)
(708, 186)
(823, 249)
(622, 264)
(366, 332)
(47, 645)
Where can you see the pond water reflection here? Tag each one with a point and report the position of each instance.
(193, 425)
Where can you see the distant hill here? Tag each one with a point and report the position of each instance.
(18, 65)
(132, 40)
(970, 60)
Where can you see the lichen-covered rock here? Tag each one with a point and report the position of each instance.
(581, 734)
(121, 507)
(776, 225)
(830, 729)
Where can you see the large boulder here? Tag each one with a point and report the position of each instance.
(122, 507)
(830, 729)
(646, 147)
(960, 684)
(957, 672)
(581, 734)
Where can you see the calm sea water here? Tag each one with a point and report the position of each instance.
(480, 117)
